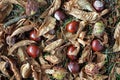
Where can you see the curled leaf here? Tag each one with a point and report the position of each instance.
(116, 46)
(22, 29)
(54, 45)
(36, 74)
(35, 65)
(49, 36)
(25, 70)
(54, 6)
(84, 5)
(48, 24)
(13, 67)
(82, 25)
(19, 44)
(21, 54)
(44, 64)
(3, 69)
(10, 41)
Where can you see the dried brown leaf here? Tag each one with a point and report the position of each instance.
(49, 36)
(105, 11)
(72, 8)
(54, 6)
(22, 29)
(70, 4)
(21, 54)
(91, 69)
(105, 38)
(5, 9)
(48, 24)
(100, 57)
(36, 68)
(68, 35)
(116, 46)
(82, 35)
(82, 42)
(42, 2)
(84, 4)
(36, 75)
(12, 78)
(82, 75)
(83, 15)
(45, 77)
(3, 68)
(25, 70)
(100, 77)
(12, 1)
(86, 52)
(54, 45)
(52, 58)
(82, 25)
(80, 4)
(42, 61)
(44, 64)
(10, 41)
(13, 68)
(19, 2)
(24, 2)
(19, 44)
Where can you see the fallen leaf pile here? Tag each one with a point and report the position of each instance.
(59, 40)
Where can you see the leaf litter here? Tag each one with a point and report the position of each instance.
(20, 17)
